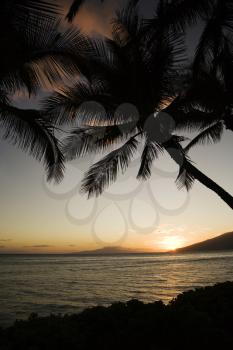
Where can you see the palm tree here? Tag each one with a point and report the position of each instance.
(209, 99)
(35, 53)
(136, 66)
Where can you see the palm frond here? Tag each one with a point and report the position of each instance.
(192, 119)
(228, 122)
(104, 172)
(224, 11)
(206, 49)
(205, 99)
(74, 9)
(46, 57)
(214, 36)
(81, 102)
(95, 139)
(186, 12)
(88, 104)
(36, 5)
(4, 99)
(15, 13)
(30, 132)
(163, 60)
(224, 64)
(127, 25)
(103, 53)
(212, 134)
(212, 40)
(176, 15)
(185, 177)
(57, 51)
(150, 152)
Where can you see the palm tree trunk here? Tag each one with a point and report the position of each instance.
(206, 181)
(202, 178)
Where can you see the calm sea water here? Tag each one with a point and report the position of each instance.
(67, 284)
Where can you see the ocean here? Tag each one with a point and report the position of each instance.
(68, 284)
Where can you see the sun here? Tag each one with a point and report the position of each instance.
(171, 242)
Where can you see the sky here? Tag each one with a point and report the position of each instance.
(37, 217)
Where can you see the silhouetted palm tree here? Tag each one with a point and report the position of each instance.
(208, 101)
(141, 65)
(34, 52)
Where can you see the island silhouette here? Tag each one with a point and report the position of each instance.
(222, 242)
(111, 250)
(219, 243)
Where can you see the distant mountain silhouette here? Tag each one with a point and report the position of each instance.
(109, 250)
(223, 242)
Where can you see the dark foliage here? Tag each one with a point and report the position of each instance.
(200, 319)
(144, 64)
(36, 53)
(135, 84)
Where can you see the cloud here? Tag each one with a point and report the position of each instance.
(2, 246)
(72, 245)
(5, 240)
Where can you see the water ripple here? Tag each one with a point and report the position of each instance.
(68, 284)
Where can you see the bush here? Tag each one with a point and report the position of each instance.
(197, 319)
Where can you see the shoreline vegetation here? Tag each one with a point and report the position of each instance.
(196, 319)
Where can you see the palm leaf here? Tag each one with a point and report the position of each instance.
(224, 11)
(91, 104)
(163, 61)
(224, 64)
(127, 25)
(179, 13)
(212, 134)
(81, 102)
(95, 139)
(213, 38)
(36, 5)
(206, 49)
(185, 177)
(176, 15)
(150, 152)
(74, 9)
(202, 104)
(42, 58)
(104, 172)
(57, 52)
(30, 132)
(193, 119)
(16, 13)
